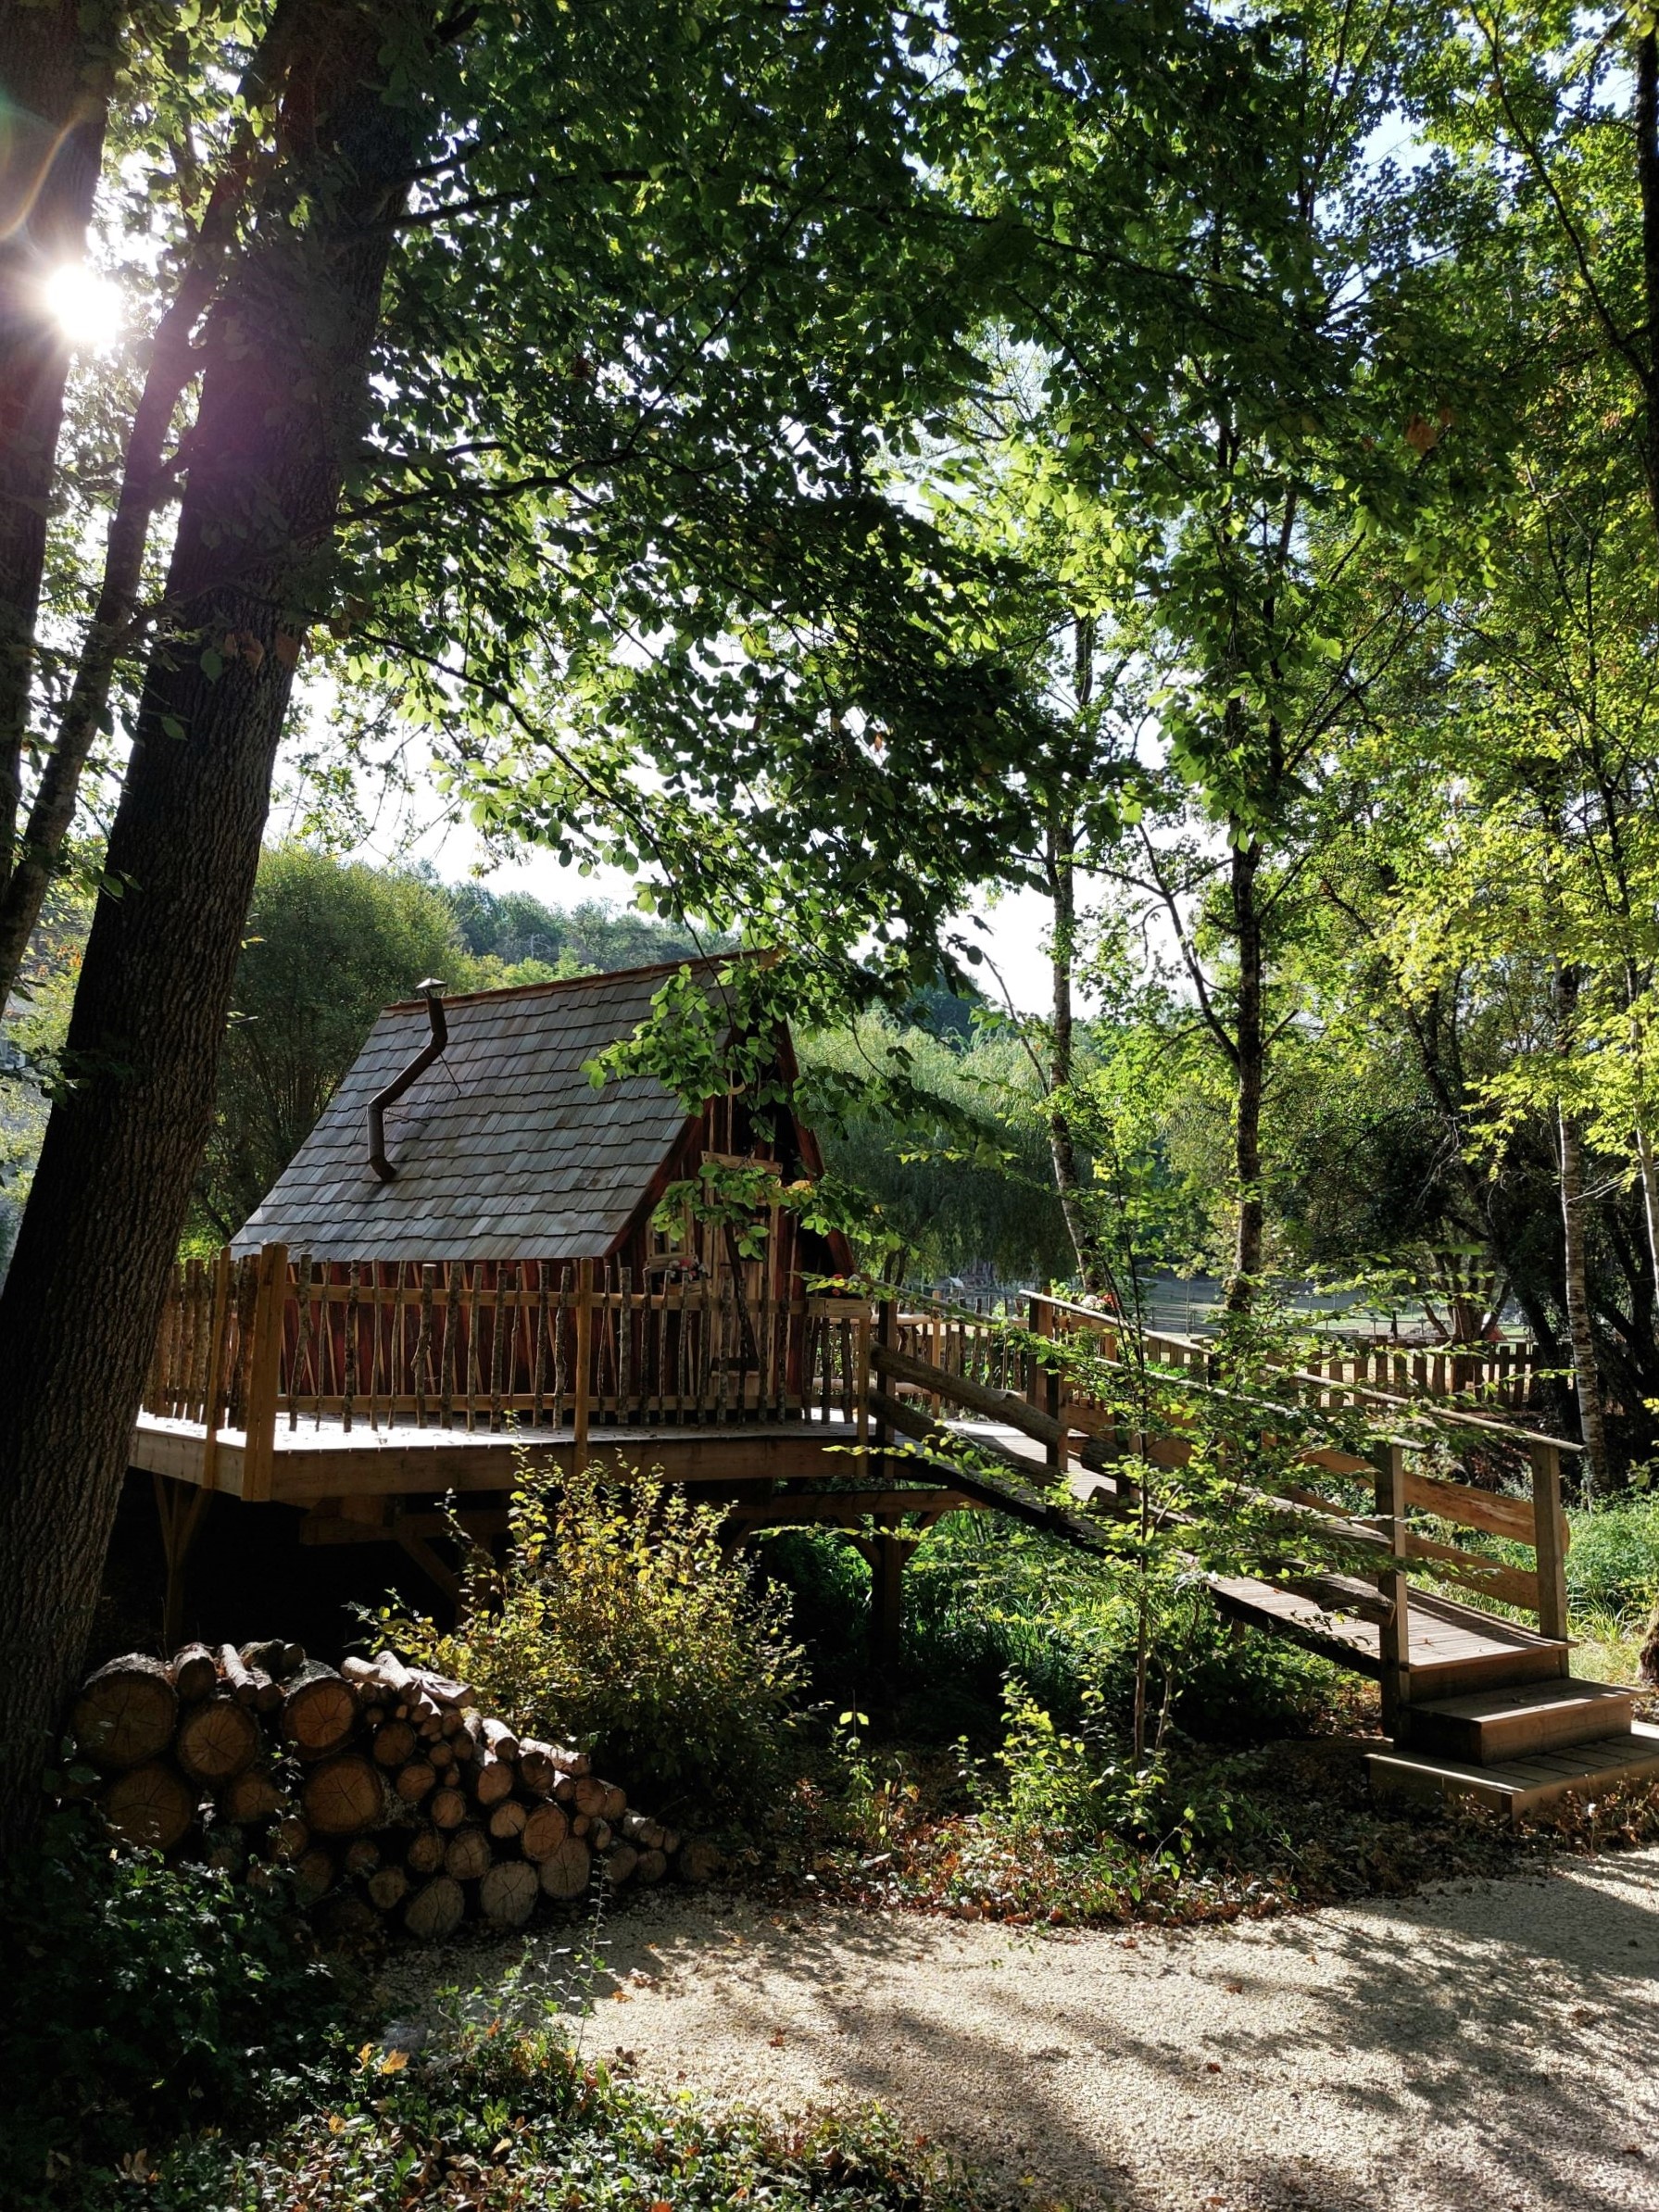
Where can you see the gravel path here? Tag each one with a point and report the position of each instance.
(1485, 2046)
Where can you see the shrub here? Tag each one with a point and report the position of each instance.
(617, 1622)
(986, 1601)
(140, 1992)
(510, 2117)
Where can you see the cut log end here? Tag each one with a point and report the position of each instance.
(508, 1892)
(216, 1739)
(343, 1795)
(126, 1714)
(564, 1871)
(546, 1828)
(194, 1673)
(151, 1806)
(467, 1855)
(434, 1911)
(320, 1710)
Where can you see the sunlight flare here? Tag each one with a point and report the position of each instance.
(85, 305)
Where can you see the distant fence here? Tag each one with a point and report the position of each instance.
(967, 1336)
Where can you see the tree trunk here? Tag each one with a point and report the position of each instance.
(57, 66)
(1586, 1379)
(1249, 1036)
(284, 392)
(1647, 179)
(144, 481)
(1650, 1199)
(1062, 1151)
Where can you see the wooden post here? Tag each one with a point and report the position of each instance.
(1043, 1389)
(878, 1435)
(581, 1391)
(1036, 1325)
(886, 1602)
(861, 1353)
(180, 1509)
(1549, 1537)
(218, 1330)
(264, 1374)
(1394, 1633)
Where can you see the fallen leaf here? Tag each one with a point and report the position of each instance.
(394, 2062)
(1234, 1989)
(777, 2040)
(1212, 2066)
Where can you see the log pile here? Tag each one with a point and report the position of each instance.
(384, 1787)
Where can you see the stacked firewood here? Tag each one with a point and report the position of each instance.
(383, 1786)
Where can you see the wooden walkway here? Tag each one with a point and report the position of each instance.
(364, 1404)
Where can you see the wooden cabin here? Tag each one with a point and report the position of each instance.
(470, 1254)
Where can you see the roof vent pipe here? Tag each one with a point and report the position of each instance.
(432, 990)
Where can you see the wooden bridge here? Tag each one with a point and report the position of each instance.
(362, 1397)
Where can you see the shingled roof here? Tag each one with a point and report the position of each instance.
(503, 1148)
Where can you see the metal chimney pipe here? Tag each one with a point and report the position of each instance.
(432, 990)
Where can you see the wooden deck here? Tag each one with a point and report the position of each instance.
(318, 1460)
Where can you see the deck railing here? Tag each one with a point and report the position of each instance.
(982, 1351)
(246, 1344)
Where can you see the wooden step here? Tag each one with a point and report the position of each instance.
(1457, 1650)
(1516, 1787)
(1489, 1726)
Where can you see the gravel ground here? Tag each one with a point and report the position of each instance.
(1483, 2046)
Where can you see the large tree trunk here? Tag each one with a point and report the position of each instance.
(144, 480)
(57, 66)
(1250, 1038)
(1586, 1381)
(282, 399)
(1647, 179)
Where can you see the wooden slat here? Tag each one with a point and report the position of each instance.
(582, 1379)
(1470, 1508)
(1515, 1585)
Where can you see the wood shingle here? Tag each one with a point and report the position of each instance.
(503, 1148)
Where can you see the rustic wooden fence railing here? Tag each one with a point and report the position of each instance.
(248, 1344)
(980, 1366)
(1494, 1375)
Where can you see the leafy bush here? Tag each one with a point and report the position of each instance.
(985, 1599)
(1613, 1561)
(138, 1992)
(617, 1621)
(505, 2116)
